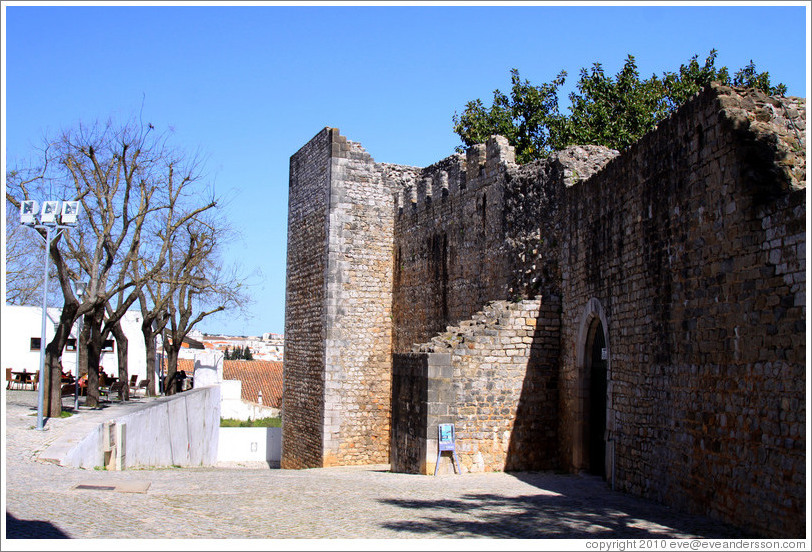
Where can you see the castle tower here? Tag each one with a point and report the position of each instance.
(338, 325)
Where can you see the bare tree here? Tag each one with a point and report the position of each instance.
(121, 175)
(200, 286)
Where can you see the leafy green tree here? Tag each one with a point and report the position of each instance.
(748, 77)
(613, 111)
(691, 78)
(529, 118)
(247, 354)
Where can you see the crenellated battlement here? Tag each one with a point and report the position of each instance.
(460, 173)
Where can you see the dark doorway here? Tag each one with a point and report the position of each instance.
(597, 404)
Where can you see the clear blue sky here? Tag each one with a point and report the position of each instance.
(249, 85)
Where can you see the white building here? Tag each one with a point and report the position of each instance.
(269, 347)
(22, 326)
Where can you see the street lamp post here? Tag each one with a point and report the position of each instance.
(79, 289)
(54, 217)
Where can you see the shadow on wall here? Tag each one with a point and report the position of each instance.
(534, 438)
(31, 529)
(566, 506)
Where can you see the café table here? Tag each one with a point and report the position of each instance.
(25, 378)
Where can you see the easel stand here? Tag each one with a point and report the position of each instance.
(446, 444)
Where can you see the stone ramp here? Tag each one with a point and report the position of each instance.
(88, 422)
(181, 430)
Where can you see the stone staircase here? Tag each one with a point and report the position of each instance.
(484, 325)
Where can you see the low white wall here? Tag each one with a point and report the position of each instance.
(181, 430)
(250, 444)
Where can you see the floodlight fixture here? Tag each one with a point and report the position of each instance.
(49, 211)
(79, 288)
(28, 211)
(70, 211)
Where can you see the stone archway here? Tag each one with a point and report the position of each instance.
(595, 418)
(591, 451)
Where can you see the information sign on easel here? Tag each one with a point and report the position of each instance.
(446, 444)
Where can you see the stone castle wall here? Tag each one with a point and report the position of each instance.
(677, 267)
(358, 344)
(692, 246)
(338, 311)
(449, 243)
(305, 330)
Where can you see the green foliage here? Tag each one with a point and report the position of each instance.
(239, 353)
(613, 112)
(529, 119)
(259, 422)
(609, 111)
(747, 77)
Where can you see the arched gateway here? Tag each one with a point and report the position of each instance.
(594, 393)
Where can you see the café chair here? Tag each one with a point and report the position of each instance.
(12, 380)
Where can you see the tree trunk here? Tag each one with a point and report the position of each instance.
(122, 346)
(151, 355)
(94, 347)
(52, 377)
(149, 343)
(171, 369)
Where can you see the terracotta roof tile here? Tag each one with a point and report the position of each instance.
(256, 375)
(185, 364)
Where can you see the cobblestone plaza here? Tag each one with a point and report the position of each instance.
(250, 502)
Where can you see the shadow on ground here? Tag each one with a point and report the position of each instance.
(565, 506)
(31, 529)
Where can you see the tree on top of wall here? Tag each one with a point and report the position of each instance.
(605, 110)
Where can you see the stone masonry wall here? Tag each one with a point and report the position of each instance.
(692, 244)
(305, 331)
(358, 344)
(449, 243)
(422, 398)
(338, 326)
(496, 378)
(470, 230)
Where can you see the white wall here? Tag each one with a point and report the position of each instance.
(21, 323)
(147, 440)
(208, 368)
(250, 444)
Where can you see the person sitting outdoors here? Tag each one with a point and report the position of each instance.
(180, 379)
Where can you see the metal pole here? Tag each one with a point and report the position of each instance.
(41, 398)
(76, 382)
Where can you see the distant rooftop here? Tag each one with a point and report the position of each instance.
(257, 375)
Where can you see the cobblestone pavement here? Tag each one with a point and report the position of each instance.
(346, 503)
